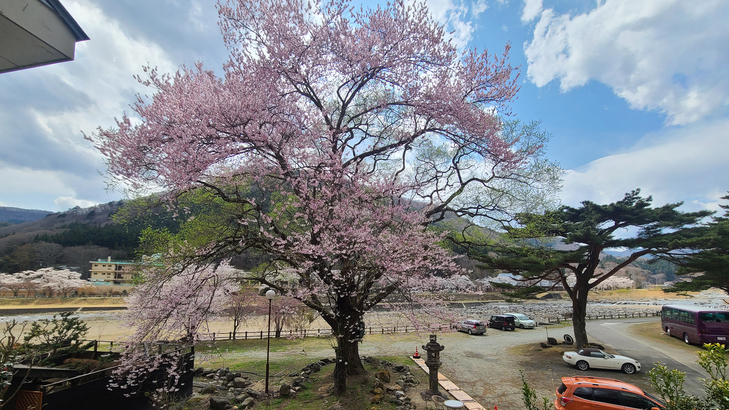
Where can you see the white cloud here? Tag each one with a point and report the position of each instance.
(48, 161)
(663, 55)
(48, 190)
(688, 164)
(532, 8)
(67, 202)
(479, 7)
(455, 15)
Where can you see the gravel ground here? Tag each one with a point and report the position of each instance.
(484, 367)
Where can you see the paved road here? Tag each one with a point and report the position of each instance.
(614, 333)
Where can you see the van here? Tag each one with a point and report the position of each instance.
(503, 322)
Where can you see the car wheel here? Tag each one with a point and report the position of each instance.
(469, 332)
(628, 368)
(583, 365)
(686, 339)
(503, 327)
(521, 326)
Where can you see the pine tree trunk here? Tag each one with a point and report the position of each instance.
(579, 312)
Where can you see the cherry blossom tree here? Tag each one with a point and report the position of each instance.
(29, 280)
(170, 306)
(11, 283)
(50, 280)
(241, 307)
(334, 139)
(57, 281)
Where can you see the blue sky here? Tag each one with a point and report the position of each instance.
(634, 93)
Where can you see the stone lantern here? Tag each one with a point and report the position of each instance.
(433, 362)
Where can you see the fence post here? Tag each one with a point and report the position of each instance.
(230, 335)
(261, 334)
(245, 336)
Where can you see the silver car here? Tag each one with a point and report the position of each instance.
(522, 321)
(471, 326)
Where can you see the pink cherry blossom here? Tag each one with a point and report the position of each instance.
(340, 134)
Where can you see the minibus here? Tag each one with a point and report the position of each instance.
(695, 324)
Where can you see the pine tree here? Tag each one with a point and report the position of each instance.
(589, 230)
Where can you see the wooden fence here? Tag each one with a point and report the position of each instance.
(607, 316)
(262, 334)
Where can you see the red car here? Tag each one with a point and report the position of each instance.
(601, 393)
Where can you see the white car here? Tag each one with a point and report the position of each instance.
(595, 358)
(522, 321)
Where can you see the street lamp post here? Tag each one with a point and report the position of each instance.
(269, 295)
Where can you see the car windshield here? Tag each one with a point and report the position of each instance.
(655, 399)
(522, 317)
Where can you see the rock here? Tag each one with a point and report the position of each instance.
(298, 382)
(248, 403)
(383, 375)
(378, 392)
(240, 382)
(377, 384)
(284, 390)
(552, 341)
(195, 400)
(219, 403)
(393, 388)
(401, 369)
(208, 390)
(399, 394)
(255, 394)
(377, 399)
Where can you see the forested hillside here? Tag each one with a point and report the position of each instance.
(77, 236)
(9, 216)
(80, 235)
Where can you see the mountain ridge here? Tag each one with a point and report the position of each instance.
(12, 215)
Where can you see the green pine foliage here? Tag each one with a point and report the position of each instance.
(711, 257)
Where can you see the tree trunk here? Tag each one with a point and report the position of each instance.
(579, 312)
(348, 362)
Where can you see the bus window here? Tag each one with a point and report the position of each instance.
(714, 317)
